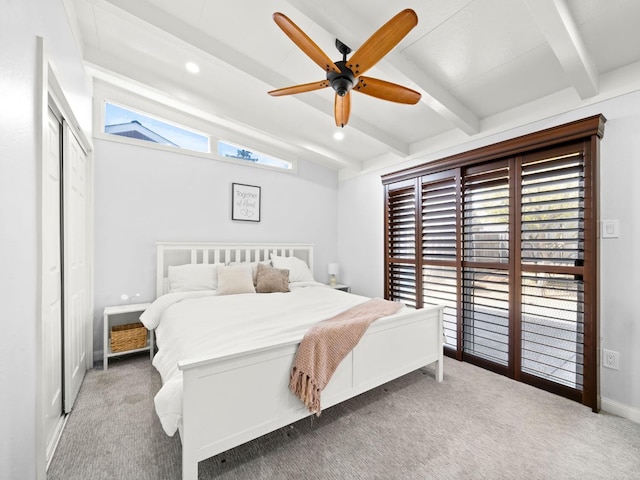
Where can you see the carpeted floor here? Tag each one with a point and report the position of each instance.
(474, 425)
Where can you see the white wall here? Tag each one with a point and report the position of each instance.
(145, 195)
(360, 238)
(20, 23)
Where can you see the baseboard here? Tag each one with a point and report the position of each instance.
(619, 409)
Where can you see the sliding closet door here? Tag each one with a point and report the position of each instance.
(75, 265)
(51, 287)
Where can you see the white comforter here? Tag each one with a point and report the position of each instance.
(201, 324)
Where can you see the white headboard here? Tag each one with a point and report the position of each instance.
(173, 253)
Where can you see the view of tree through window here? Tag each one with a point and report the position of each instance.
(230, 150)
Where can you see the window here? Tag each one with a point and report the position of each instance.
(131, 124)
(199, 138)
(230, 150)
(505, 237)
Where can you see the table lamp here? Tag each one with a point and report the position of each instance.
(333, 271)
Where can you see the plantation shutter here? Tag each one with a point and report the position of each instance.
(485, 300)
(552, 256)
(400, 244)
(439, 248)
(505, 238)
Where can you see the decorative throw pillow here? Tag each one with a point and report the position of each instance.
(254, 267)
(193, 276)
(233, 280)
(298, 269)
(271, 280)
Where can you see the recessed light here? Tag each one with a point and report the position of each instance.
(192, 67)
(339, 135)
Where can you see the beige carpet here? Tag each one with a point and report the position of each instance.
(474, 425)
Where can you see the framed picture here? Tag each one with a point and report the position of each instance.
(245, 202)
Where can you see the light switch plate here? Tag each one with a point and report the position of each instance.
(610, 229)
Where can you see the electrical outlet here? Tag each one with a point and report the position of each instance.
(610, 359)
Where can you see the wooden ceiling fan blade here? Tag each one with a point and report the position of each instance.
(306, 87)
(342, 109)
(382, 41)
(301, 39)
(387, 90)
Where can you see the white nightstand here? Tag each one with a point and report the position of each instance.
(342, 287)
(122, 315)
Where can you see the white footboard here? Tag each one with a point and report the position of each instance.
(230, 400)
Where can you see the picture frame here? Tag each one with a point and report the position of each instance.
(245, 202)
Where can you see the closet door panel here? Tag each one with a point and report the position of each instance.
(51, 287)
(75, 264)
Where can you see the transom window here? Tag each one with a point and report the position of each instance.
(230, 150)
(131, 124)
(124, 122)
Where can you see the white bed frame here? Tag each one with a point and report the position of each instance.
(232, 399)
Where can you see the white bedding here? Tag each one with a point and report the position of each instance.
(201, 324)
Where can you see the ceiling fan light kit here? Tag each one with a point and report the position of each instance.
(341, 82)
(346, 75)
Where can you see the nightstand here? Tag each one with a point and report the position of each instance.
(123, 315)
(342, 287)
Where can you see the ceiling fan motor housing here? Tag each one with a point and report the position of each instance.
(341, 82)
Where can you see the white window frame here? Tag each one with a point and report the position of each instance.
(255, 152)
(107, 93)
(164, 121)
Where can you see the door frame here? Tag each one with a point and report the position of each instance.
(48, 87)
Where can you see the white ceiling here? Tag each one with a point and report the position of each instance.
(479, 64)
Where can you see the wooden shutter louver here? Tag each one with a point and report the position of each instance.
(486, 254)
(553, 211)
(439, 221)
(401, 244)
(552, 223)
(553, 328)
(486, 216)
(440, 287)
(486, 314)
(402, 284)
(439, 251)
(401, 217)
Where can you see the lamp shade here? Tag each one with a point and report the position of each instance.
(333, 269)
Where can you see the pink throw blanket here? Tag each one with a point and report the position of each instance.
(325, 346)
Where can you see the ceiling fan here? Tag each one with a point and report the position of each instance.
(346, 75)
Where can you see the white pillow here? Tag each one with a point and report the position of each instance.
(298, 269)
(254, 267)
(190, 277)
(237, 279)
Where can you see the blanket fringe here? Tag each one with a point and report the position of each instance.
(303, 386)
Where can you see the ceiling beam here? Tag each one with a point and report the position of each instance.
(349, 27)
(196, 38)
(559, 27)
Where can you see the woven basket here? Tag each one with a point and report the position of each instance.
(128, 337)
